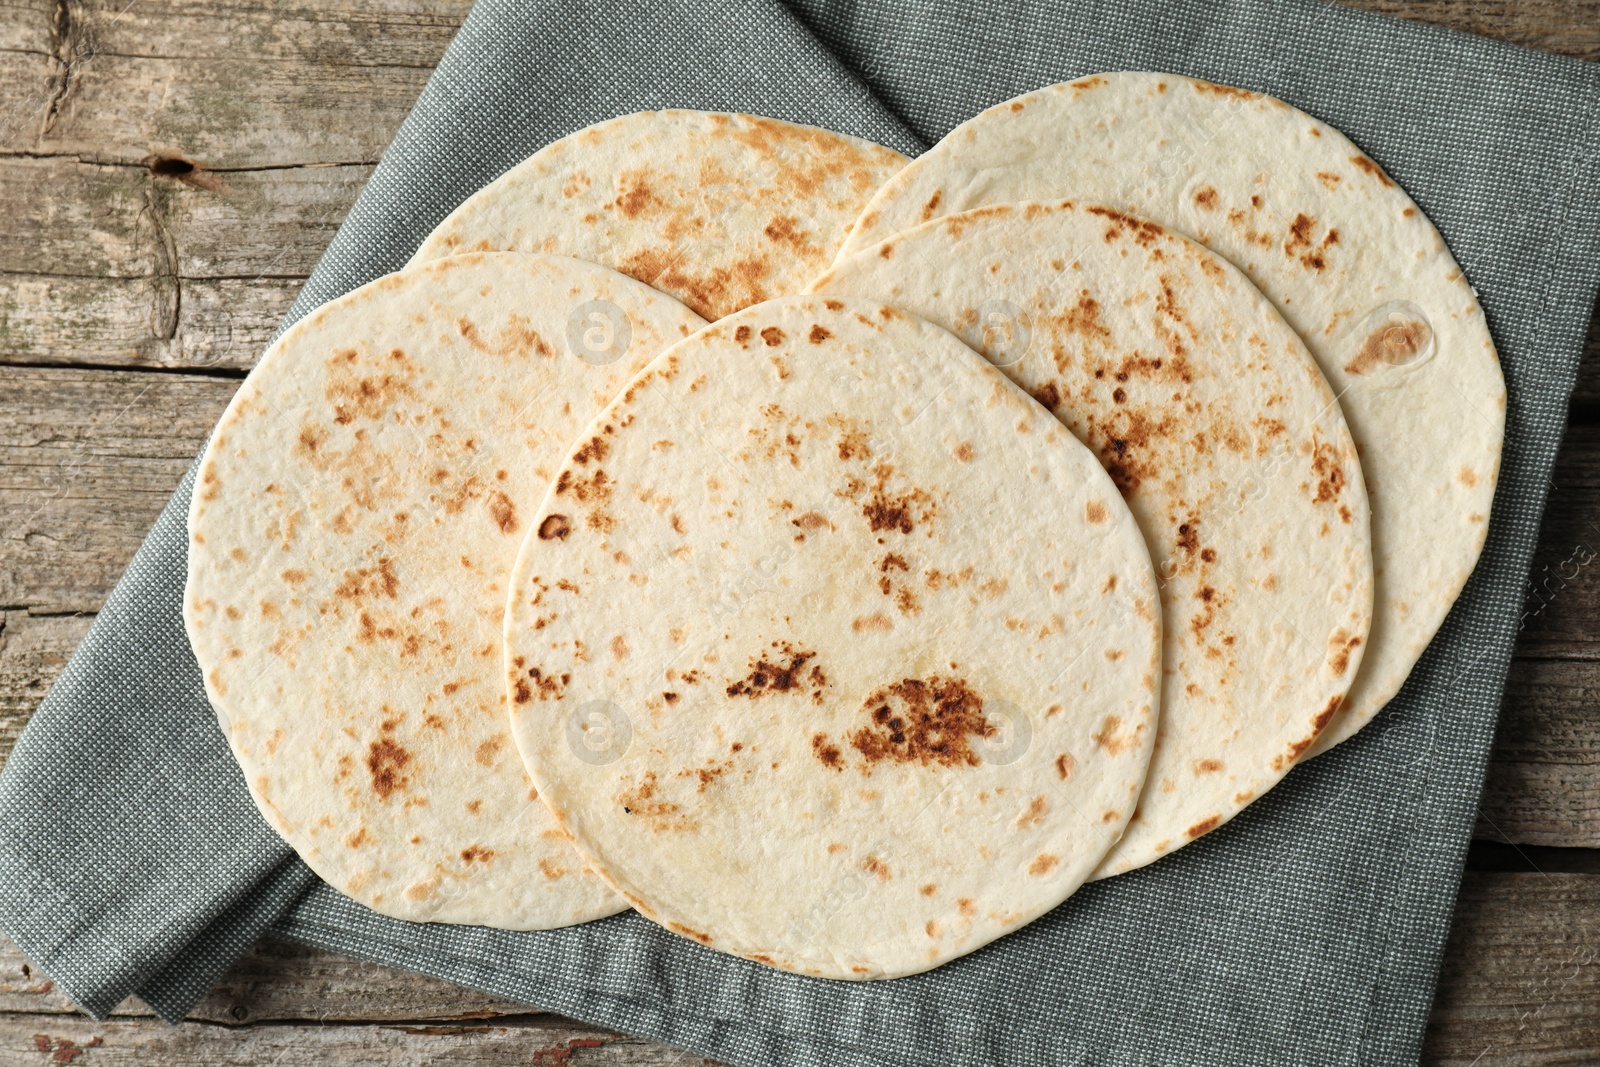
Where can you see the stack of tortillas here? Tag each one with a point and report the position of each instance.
(1022, 514)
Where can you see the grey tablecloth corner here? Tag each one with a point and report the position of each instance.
(1308, 931)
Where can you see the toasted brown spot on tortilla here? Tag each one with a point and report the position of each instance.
(818, 334)
(829, 756)
(1391, 343)
(884, 510)
(476, 854)
(772, 336)
(964, 452)
(1206, 198)
(1043, 863)
(874, 865)
(704, 939)
(927, 721)
(1203, 826)
(1048, 395)
(1110, 739)
(312, 438)
(595, 448)
(742, 334)
(1033, 814)
(504, 512)
(1340, 645)
(385, 761)
(488, 750)
(1373, 169)
(929, 890)
(554, 528)
(1224, 90)
(422, 890)
(932, 205)
(1207, 766)
(876, 621)
(1065, 765)
(1326, 713)
(362, 582)
(1329, 471)
(811, 522)
(786, 675)
(1095, 512)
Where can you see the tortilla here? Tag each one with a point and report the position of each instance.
(834, 651)
(720, 211)
(354, 522)
(1225, 441)
(1340, 249)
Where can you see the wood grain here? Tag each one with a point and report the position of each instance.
(1566, 27)
(132, 297)
(1521, 974)
(87, 461)
(536, 1040)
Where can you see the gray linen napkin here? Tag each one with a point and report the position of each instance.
(1308, 931)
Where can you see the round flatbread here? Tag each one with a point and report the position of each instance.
(1224, 439)
(718, 210)
(833, 650)
(355, 520)
(1341, 251)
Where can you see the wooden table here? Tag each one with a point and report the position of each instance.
(170, 171)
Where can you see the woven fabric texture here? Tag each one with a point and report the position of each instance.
(1308, 931)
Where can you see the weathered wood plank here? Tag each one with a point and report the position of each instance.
(230, 113)
(25, 26)
(278, 981)
(33, 650)
(102, 221)
(123, 81)
(87, 461)
(1567, 27)
(536, 1040)
(1561, 616)
(1543, 786)
(221, 323)
(1521, 974)
(332, 33)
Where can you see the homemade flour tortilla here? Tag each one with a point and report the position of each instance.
(355, 520)
(717, 210)
(1225, 441)
(831, 649)
(1341, 251)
